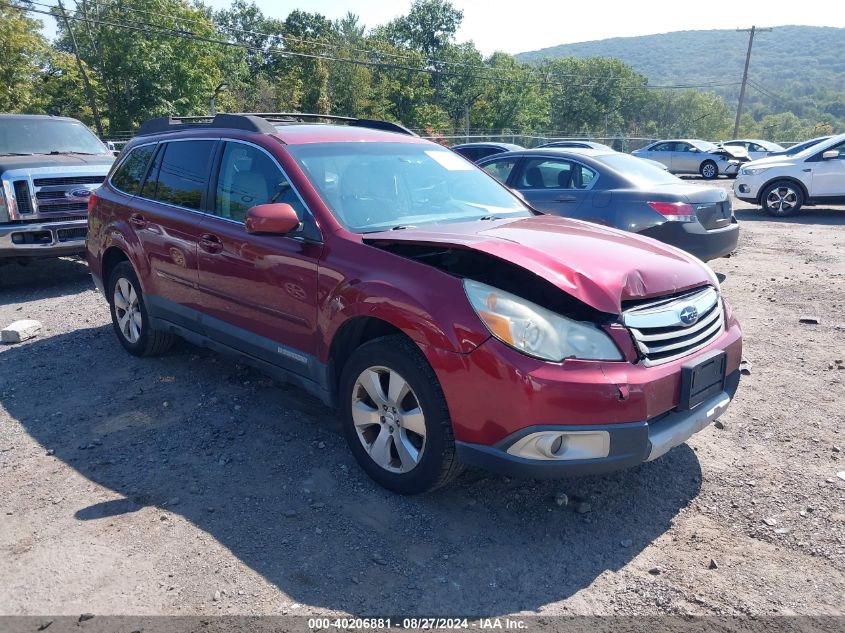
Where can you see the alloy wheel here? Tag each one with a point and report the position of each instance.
(782, 199)
(388, 419)
(708, 171)
(127, 309)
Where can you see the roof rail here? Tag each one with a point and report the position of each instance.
(261, 122)
(244, 122)
(293, 117)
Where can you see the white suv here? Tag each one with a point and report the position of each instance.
(783, 184)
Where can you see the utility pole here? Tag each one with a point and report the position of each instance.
(89, 91)
(751, 33)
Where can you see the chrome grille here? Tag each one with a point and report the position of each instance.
(69, 180)
(51, 193)
(660, 333)
(22, 197)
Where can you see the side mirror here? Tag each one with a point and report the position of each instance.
(831, 154)
(110, 145)
(277, 218)
(695, 150)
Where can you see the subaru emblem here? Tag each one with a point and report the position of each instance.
(689, 315)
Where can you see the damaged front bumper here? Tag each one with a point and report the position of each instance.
(626, 445)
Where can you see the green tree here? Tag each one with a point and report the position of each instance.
(429, 27)
(144, 72)
(24, 51)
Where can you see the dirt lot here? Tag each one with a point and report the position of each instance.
(190, 485)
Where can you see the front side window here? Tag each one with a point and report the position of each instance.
(377, 186)
(179, 175)
(552, 173)
(131, 172)
(500, 169)
(661, 147)
(837, 148)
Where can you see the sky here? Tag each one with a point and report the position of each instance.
(516, 26)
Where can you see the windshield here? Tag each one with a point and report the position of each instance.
(377, 186)
(638, 171)
(47, 136)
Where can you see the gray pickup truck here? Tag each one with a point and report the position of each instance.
(48, 168)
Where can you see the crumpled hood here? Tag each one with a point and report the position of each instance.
(733, 151)
(600, 266)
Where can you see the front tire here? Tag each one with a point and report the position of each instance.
(782, 199)
(129, 315)
(395, 417)
(708, 170)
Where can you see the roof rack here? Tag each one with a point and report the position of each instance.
(261, 122)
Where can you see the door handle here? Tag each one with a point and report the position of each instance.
(137, 220)
(565, 198)
(210, 243)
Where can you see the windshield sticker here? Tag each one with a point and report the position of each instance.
(450, 161)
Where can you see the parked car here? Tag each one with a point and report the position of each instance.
(477, 151)
(592, 145)
(782, 185)
(755, 148)
(576, 144)
(694, 156)
(448, 322)
(48, 168)
(622, 191)
(800, 147)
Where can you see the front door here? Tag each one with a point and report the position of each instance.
(555, 185)
(259, 292)
(829, 175)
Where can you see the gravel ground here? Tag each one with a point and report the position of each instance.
(187, 484)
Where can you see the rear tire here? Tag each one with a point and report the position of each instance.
(708, 170)
(395, 418)
(782, 199)
(129, 315)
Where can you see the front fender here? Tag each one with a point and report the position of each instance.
(425, 303)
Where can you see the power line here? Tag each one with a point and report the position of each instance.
(154, 29)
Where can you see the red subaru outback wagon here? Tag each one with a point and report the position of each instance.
(448, 322)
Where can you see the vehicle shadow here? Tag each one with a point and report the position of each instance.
(261, 468)
(42, 279)
(809, 215)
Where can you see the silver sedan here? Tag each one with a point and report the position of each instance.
(694, 156)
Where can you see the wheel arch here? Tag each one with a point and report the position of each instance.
(791, 179)
(351, 335)
(112, 256)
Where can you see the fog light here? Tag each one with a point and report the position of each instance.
(562, 445)
(17, 238)
(744, 189)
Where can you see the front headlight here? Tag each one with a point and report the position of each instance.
(535, 331)
(752, 171)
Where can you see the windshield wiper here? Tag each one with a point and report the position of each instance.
(485, 218)
(16, 154)
(402, 227)
(56, 152)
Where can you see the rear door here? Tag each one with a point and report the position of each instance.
(684, 159)
(259, 292)
(554, 185)
(166, 217)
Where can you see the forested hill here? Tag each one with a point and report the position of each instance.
(796, 65)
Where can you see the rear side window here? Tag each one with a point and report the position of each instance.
(131, 172)
(180, 173)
